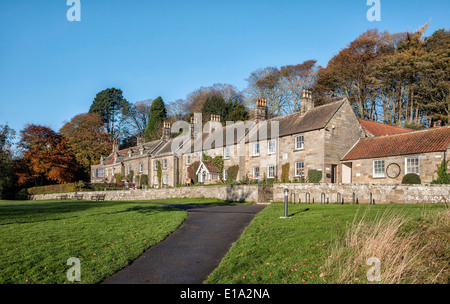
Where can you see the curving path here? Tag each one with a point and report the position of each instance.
(194, 250)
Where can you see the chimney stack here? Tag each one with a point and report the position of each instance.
(115, 146)
(194, 127)
(167, 134)
(261, 110)
(306, 102)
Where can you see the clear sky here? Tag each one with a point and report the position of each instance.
(51, 69)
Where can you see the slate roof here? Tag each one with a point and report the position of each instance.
(424, 141)
(375, 128)
(149, 148)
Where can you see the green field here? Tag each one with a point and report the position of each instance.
(284, 251)
(37, 238)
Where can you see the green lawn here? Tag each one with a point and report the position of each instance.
(282, 251)
(37, 238)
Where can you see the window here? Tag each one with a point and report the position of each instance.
(155, 166)
(155, 180)
(164, 164)
(129, 169)
(164, 179)
(113, 171)
(141, 168)
(255, 172)
(271, 172)
(271, 147)
(412, 165)
(99, 172)
(225, 174)
(226, 153)
(299, 168)
(188, 160)
(256, 149)
(107, 172)
(299, 142)
(378, 168)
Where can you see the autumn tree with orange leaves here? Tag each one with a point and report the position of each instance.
(46, 157)
(88, 139)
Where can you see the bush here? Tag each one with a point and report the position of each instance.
(50, 189)
(144, 180)
(443, 177)
(22, 195)
(411, 179)
(232, 174)
(314, 176)
(285, 173)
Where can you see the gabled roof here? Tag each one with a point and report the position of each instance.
(374, 128)
(424, 141)
(149, 148)
(208, 166)
(315, 119)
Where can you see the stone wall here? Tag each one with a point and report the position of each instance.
(381, 193)
(251, 193)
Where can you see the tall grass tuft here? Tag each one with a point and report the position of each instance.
(412, 251)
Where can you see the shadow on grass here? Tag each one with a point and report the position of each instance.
(57, 210)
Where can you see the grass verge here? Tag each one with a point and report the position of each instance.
(37, 238)
(297, 250)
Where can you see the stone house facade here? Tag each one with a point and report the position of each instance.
(387, 159)
(327, 138)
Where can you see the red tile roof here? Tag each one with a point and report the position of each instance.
(378, 129)
(425, 141)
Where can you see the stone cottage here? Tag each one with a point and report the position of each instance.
(328, 139)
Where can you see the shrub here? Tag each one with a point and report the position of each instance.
(192, 169)
(285, 173)
(143, 180)
(22, 195)
(50, 189)
(314, 176)
(232, 174)
(443, 176)
(411, 179)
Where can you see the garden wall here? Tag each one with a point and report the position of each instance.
(251, 193)
(382, 194)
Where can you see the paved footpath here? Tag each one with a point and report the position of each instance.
(194, 250)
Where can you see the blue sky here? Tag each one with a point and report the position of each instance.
(51, 69)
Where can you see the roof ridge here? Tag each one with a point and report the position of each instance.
(409, 132)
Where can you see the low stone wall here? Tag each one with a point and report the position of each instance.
(381, 193)
(253, 193)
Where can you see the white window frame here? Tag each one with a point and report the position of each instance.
(300, 142)
(99, 172)
(269, 169)
(269, 150)
(141, 167)
(225, 174)
(226, 153)
(301, 168)
(164, 164)
(165, 179)
(155, 165)
(129, 169)
(256, 168)
(377, 166)
(410, 159)
(256, 149)
(188, 159)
